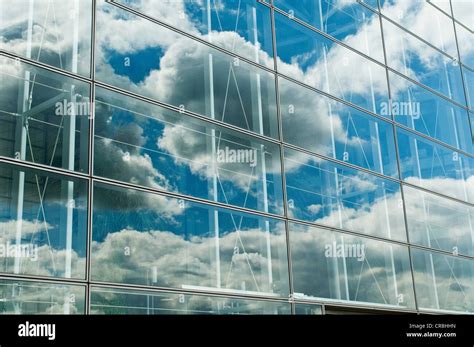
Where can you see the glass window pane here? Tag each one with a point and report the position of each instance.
(443, 282)
(466, 46)
(435, 167)
(421, 62)
(464, 12)
(469, 84)
(240, 26)
(327, 127)
(154, 147)
(28, 297)
(53, 32)
(123, 301)
(332, 265)
(371, 3)
(44, 117)
(182, 72)
(438, 30)
(421, 110)
(150, 239)
(308, 309)
(43, 223)
(347, 21)
(330, 194)
(438, 222)
(321, 63)
(443, 5)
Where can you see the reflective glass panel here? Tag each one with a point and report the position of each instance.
(421, 62)
(464, 12)
(150, 239)
(44, 117)
(313, 59)
(327, 127)
(240, 26)
(443, 282)
(425, 20)
(469, 84)
(332, 265)
(435, 167)
(154, 147)
(53, 32)
(308, 309)
(466, 44)
(330, 194)
(43, 223)
(25, 297)
(123, 301)
(443, 5)
(423, 111)
(438, 222)
(182, 72)
(347, 21)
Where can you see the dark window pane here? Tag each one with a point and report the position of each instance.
(123, 301)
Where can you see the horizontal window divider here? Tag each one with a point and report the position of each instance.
(43, 167)
(327, 303)
(169, 194)
(438, 194)
(44, 66)
(376, 238)
(43, 279)
(441, 311)
(190, 36)
(235, 294)
(335, 98)
(388, 19)
(440, 9)
(467, 67)
(186, 112)
(463, 106)
(434, 140)
(367, 6)
(387, 120)
(329, 37)
(340, 162)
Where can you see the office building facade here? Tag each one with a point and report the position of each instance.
(236, 156)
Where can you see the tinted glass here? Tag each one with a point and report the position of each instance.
(44, 117)
(330, 194)
(157, 148)
(43, 223)
(53, 32)
(149, 239)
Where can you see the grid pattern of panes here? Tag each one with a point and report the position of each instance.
(236, 156)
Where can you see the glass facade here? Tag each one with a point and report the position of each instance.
(236, 156)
